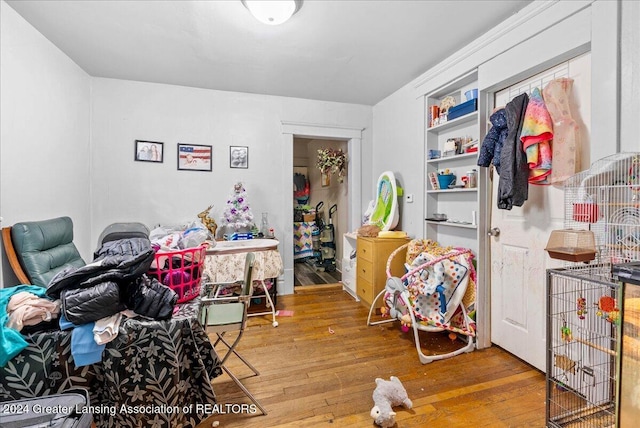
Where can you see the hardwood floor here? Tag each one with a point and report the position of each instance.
(318, 368)
(306, 273)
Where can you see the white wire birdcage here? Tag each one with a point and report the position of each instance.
(583, 312)
(605, 199)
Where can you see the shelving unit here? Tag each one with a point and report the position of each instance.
(459, 204)
(348, 264)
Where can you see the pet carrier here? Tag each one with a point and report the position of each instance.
(602, 229)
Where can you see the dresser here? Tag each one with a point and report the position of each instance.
(371, 264)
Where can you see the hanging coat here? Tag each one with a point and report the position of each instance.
(492, 144)
(513, 187)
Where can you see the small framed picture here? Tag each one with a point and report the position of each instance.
(149, 151)
(194, 157)
(239, 157)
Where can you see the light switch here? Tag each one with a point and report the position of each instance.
(409, 198)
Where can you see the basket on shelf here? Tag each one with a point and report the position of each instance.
(180, 270)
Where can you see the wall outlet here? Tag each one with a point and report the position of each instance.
(409, 198)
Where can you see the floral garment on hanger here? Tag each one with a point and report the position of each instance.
(565, 146)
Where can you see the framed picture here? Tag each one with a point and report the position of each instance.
(239, 157)
(149, 151)
(194, 157)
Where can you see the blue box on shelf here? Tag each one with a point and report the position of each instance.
(237, 236)
(462, 109)
(434, 154)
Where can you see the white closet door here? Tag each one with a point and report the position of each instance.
(518, 259)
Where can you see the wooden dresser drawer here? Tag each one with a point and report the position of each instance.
(365, 270)
(365, 250)
(365, 291)
(372, 255)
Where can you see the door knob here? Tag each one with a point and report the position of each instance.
(494, 232)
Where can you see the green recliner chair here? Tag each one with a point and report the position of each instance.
(38, 250)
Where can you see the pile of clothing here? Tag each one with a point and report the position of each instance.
(114, 281)
(90, 299)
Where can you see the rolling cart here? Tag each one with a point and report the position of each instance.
(315, 235)
(328, 243)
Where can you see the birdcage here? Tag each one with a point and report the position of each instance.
(605, 199)
(602, 209)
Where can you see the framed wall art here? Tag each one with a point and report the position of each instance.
(194, 157)
(239, 157)
(149, 151)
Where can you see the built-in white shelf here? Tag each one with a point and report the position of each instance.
(467, 118)
(453, 158)
(464, 189)
(452, 224)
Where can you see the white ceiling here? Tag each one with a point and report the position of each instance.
(346, 51)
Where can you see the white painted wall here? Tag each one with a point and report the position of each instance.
(399, 147)
(123, 111)
(44, 132)
(630, 76)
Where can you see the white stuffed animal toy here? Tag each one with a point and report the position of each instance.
(388, 393)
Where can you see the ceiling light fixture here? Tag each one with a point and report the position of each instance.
(272, 12)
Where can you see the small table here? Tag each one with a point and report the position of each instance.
(225, 265)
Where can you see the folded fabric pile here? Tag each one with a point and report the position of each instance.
(11, 341)
(26, 308)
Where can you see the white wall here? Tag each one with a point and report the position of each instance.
(630, 76)
(398, 147)
(44, 132)
(123, 111)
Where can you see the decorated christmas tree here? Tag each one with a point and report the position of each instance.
(237, 214)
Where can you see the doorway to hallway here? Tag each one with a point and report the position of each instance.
(321, 207)
(353, 138)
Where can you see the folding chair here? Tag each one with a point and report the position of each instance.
(223, 314)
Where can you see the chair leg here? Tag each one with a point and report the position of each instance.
(272, 311)
(233, 350)
(245, 390)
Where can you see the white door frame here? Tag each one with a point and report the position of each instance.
(354, 183)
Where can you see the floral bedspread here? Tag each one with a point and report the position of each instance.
(154, 374)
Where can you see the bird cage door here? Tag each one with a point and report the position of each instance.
(519, 236)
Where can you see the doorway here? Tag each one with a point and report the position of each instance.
(352, 137)
(320, 207)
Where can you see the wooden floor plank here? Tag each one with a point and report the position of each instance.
(318, 368)
(308, 273)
